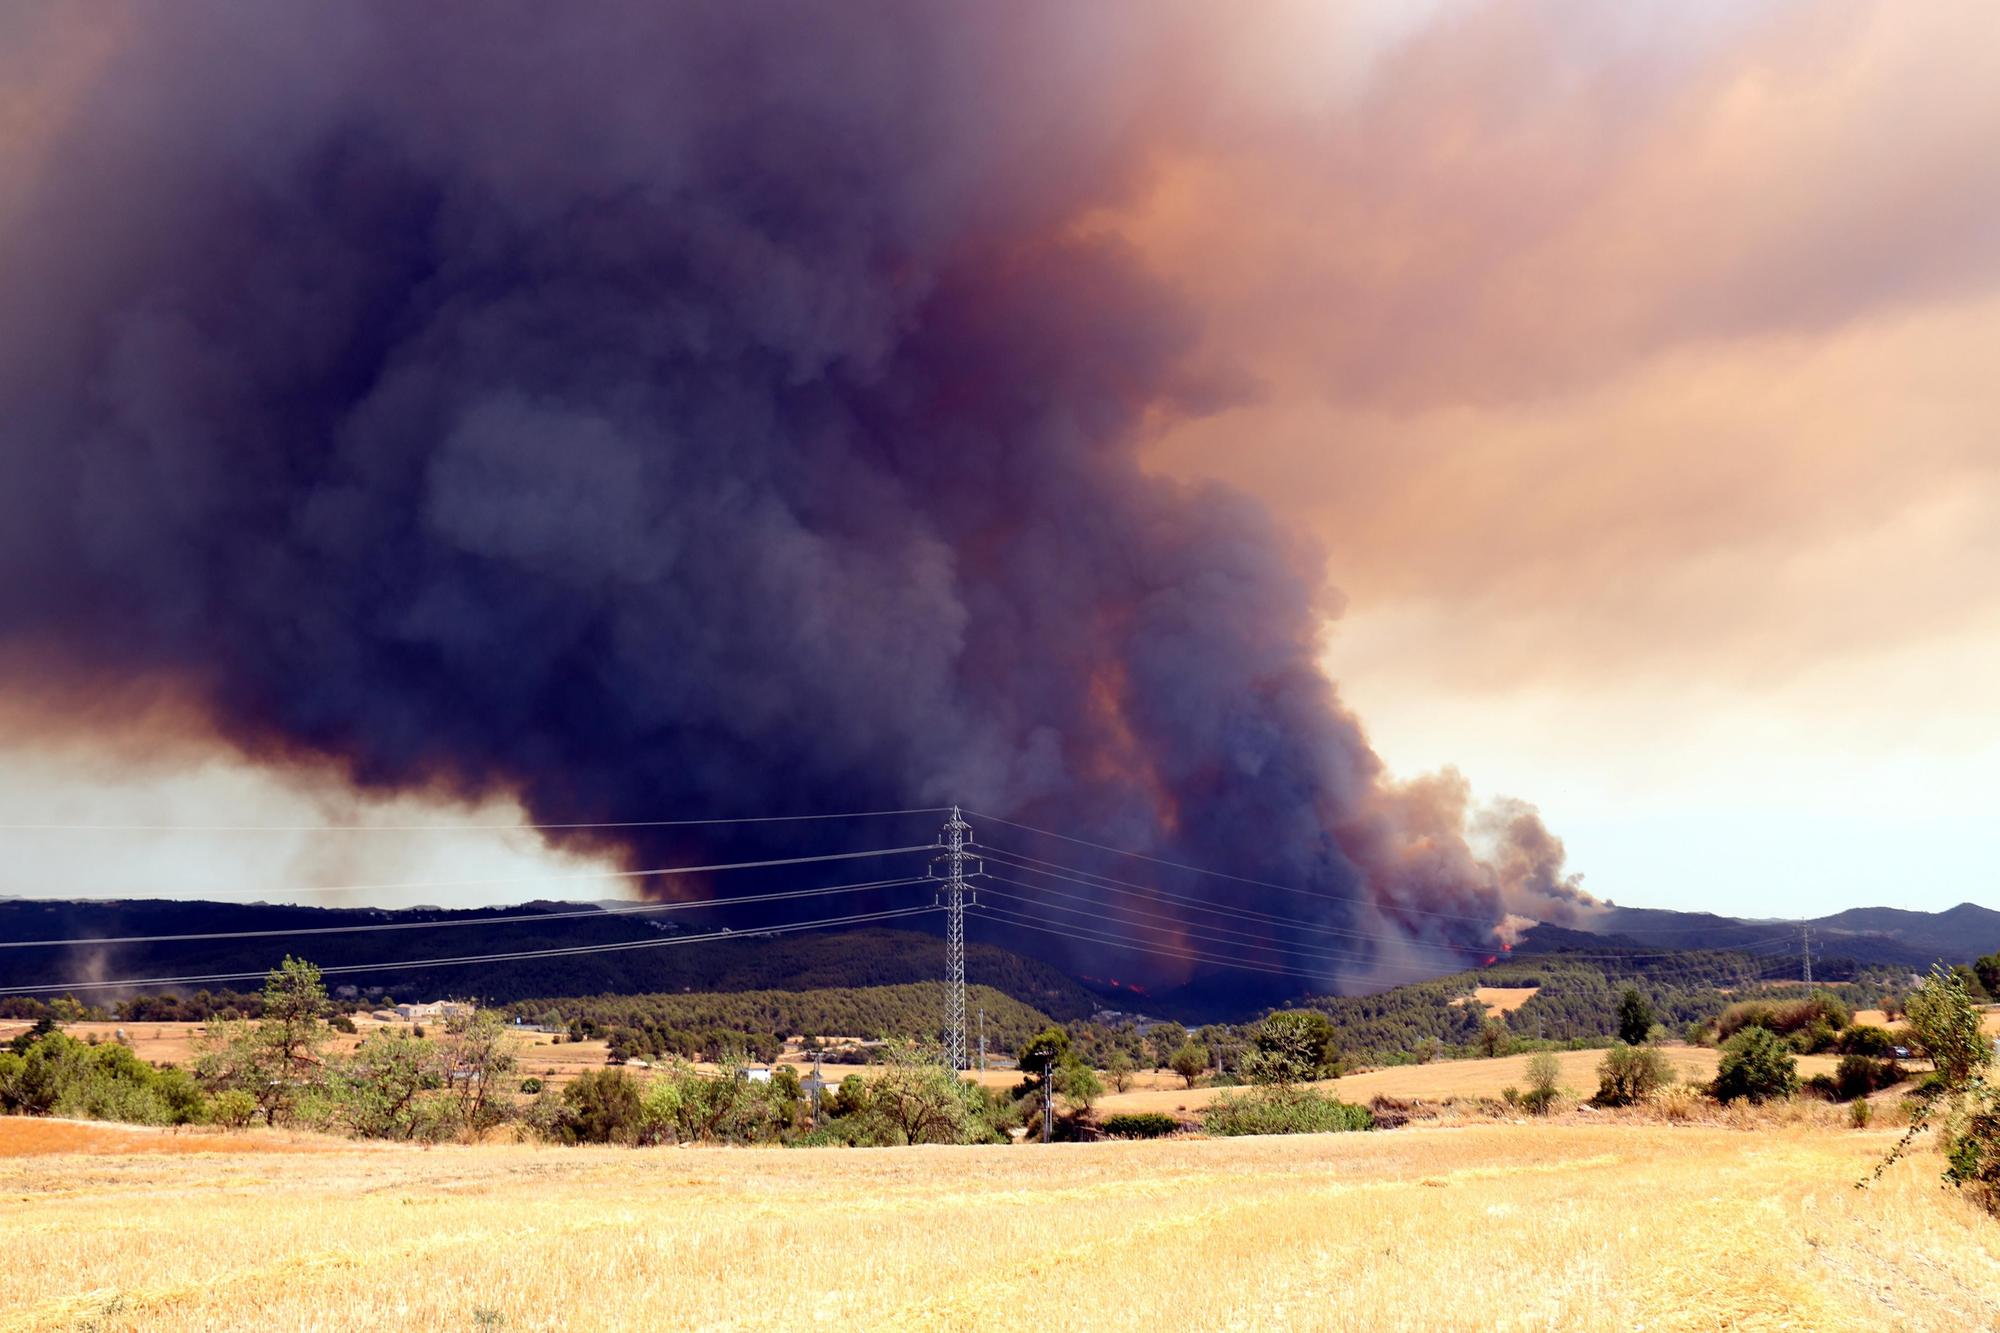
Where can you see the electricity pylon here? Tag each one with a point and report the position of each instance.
(950, 869)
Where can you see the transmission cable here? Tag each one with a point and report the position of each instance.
(587, 874)
(571, 951)
(638, 908)
(460, 828)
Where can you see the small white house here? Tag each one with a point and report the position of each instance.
(755, 1074)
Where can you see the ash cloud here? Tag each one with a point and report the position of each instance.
(665, 412)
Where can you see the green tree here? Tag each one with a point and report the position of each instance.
(922, 1100)
(1078, 1085)
(1756, 1066)
(1119, 1070)
(478, 1056)
(1043, 1052)
(602, 1106)
(375, 1091)
(1292, 1046)
(280, 1058)
(1544, 1080)
(1987, 969)
(1190, 1062)
(1635, 1017)
(1493, 1038)
(1630, 1075)
(1945, 1023)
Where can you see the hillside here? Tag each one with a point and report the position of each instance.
(1865, 935)
(868, 957)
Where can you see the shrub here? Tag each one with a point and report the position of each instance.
(531, 1086)
(1859, 1075)
(601, 1106)
(1678, 1104)
(1860, 1113)
(1784, 1017)
(1630, 1075)
(1140, 1125)
(1281, 1111)
(1077, 1084)
(1292, 1046)
(1946, 1026)
(1544, 1074)
(1865, 1039)
(232, 1108)
(1189, 1062)
(1756, 1066)
(1815, 1037)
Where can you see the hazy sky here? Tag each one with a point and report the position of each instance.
(1630, 362)
(1636, 375)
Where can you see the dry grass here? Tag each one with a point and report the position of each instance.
(1492, 1226)
(1504, 999)
(1455, 1078)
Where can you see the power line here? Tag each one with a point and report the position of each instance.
(642, 908)
(471, 959)
(454, 828)
(1210, 934)
(588, 874)
(1321, 895)
(1131, 889)
(1092, 937)
(1005, 858)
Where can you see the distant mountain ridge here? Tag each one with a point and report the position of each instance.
(803, 961)
(1887, 935)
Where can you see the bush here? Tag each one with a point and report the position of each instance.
(1860, 1113)
(1813, 1038)
(1859, 1075)
(1630, 1075)
(1279, 1111)
(1756, 1066)
(601, 1106)
(1141, 1125)
(57, 1075)
(1784, 1017)
(1866, 1039)
(1292, 1046)
(1544, 1074)
(1189, 1062)
(232, 1108)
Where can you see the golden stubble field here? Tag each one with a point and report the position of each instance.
(1616, 1225)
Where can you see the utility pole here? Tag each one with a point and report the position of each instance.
(982, 1038)
(956, 840)
(1048, 1096)
(1805, 951)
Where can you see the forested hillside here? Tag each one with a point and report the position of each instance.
(806, 961)
(711, 1024)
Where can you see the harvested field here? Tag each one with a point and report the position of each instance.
(1493, 1226)
(1504, 999)
(23, 1136)
(1454, 1078)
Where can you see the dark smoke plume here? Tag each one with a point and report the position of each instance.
(663, 410)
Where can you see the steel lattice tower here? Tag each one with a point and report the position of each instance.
(956, 841)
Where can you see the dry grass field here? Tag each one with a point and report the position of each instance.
(1504, 999)
(1619, 1225)
(1447, 1078)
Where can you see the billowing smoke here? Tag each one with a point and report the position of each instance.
(657, 411)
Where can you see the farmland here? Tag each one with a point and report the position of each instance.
(1444, 1079)
(1615, 1224)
